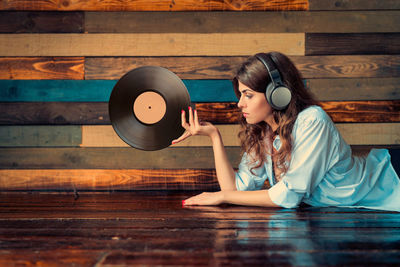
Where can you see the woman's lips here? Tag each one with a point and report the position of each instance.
(245, 115)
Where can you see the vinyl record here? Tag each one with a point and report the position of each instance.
(145, 107)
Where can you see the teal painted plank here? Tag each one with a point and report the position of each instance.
(100, 90)
(40, 136)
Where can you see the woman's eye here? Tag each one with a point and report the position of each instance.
(249, 96)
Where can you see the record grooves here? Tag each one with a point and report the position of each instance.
(145, 107)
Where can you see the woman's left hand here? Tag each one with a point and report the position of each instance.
(206, 199)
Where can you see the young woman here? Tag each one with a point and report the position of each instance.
(289, 140)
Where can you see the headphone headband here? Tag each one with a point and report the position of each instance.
(277, 94)
(271, 67)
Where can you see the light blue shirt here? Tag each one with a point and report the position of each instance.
(323, 172)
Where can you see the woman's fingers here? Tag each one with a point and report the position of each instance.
(183, 119)
(185, 135)
(196, 118)
(191, 122)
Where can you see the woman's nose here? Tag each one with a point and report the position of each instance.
(240, 103)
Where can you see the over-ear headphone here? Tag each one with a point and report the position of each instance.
(277, 93)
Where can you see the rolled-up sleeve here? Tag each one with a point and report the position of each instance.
(313, 154)
(247, 181)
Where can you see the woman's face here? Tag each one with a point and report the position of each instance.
(254, 105)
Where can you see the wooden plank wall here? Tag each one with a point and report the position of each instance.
(59, 61)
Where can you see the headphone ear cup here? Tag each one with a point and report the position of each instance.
(268, 93)
(280, 97)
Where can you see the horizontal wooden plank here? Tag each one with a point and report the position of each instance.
(363, 111)
(105, 136)
(122, 158)
(100, 90)
(152, 5)
(352, 43)
(226, 67)
(108, 180)
(199, 90)
(143, 44)
(39, 136)
(26, 68)
(96, 113)
(41, 22)
(355, 89)
(353, 133)
(125, 158)
(54, 113)
(212, 22)
(354, 5)
(367, 66)
(112, 68)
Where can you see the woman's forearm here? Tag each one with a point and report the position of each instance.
(248, 198)
(225, 172)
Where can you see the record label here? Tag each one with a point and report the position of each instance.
(149, 107)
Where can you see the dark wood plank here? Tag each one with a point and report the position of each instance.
(238, 22)
(26, 68)
(354, 5)
(48, 136)
(41, 22)
(152, 228)
(352, 43)
(122, 158)
(368, 66)
(54, 113)
(153, 5)
(96, 113)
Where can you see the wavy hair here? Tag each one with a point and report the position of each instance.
(253, 74)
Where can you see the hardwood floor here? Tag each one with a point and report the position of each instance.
(152, 228)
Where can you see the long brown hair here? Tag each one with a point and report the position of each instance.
(253, 74)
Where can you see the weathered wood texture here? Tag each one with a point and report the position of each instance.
(27, 68)
(355, 89)
(168, 44)
(108, 180)
(41, 22)
(353, 133)
(100, 90)
(240, 22)
(367, 66)
(105, 136)
(32, 136)
(199, 90)
(112, 68)
(125, 158)
(153, 5)
(352, 43)
(354, 5)
(96, 113)
(153, 229)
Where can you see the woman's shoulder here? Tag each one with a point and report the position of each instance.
(313, 114)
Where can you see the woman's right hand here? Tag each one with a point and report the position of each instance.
(194, 127)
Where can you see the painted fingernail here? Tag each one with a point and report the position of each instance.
(190, 108)
(183, 202)
(183, 111)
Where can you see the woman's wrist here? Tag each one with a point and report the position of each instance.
(215, 135)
